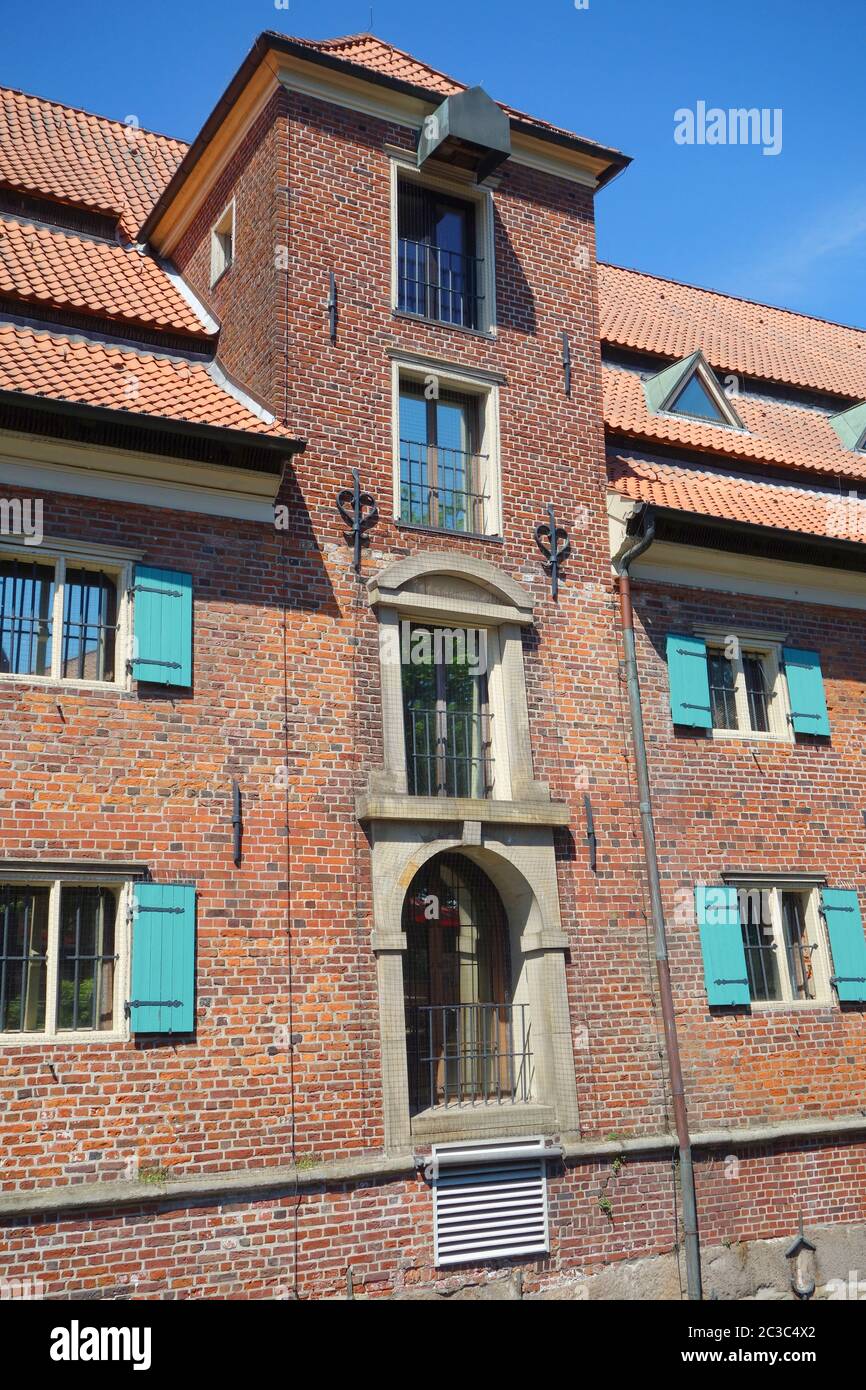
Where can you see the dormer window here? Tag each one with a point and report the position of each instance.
(439, 270)
(442, 247)
(690, 388)
(850, 425)
(222, 252)
(695, 399)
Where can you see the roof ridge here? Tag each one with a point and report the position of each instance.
(94, 115)
(328, 44)
(737, 298)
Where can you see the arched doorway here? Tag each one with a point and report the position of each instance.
(467, 1040)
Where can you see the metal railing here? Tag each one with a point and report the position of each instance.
(439, 284)
(448, 752)
(468, 1054)
(439, 487)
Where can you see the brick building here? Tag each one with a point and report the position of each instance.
(328, 947)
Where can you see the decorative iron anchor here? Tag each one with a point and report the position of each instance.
(357, 520)
(553, 552)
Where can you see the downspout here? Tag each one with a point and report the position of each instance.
(622, 563)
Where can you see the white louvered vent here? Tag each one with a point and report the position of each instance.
(489, 1200)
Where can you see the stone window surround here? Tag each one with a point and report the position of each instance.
(484, 387)
(511, 840)
(503, 608)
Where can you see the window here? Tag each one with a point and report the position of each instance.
(439, 271)
(695, 400)
(446, 716)
(467, 1042)
(442, 473)
(690, 387)
(59, 619)
(222, 253)
(786, 958)
(60, 948)
(747, 685)
(742, 687)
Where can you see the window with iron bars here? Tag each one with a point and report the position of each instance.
(57, 620)
(468, 1041)
(58, 959)
(442, 472)
(446, 713)
(741, 690)
(786, 955)
(439, 274)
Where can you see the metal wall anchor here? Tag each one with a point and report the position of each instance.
(357, 520)
(553, 552)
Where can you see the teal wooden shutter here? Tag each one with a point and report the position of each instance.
(163, 626)
(718, 913)
(847, 942)
(689, 681)
(806, 691)
(162, 993)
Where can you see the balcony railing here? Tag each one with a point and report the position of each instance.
(439, 284)
(439, 487)
(448, 752)
(468, 1054)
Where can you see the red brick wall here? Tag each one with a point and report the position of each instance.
(302, 1243)
(733, 804)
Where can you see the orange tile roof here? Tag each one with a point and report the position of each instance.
(778, 433)
(55, 151)
(649, 314)
(142, 383)
(817, 512)
(77, 274)
(368, 51)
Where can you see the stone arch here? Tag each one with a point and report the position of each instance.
(491, 584)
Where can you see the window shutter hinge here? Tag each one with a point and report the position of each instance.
(152, 589)
(131, 1004)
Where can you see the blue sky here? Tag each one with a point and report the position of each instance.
(788, 228)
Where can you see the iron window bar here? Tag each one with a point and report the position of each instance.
(87, 922)
(760, 949)
(439, 284)
(797, 948)
(440, 757)
(22, 971)
(723, 696)
(89, 625)
(756, 693)
(436, 487)
(469, 1054)
(26, 606)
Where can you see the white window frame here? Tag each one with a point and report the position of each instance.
(467, 383)
(769, 650)
(226, 224)
(120, 1031)
(816, 934)
(119, 566)
(450, 182)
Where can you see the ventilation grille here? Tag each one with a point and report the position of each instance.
(489, 1201)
